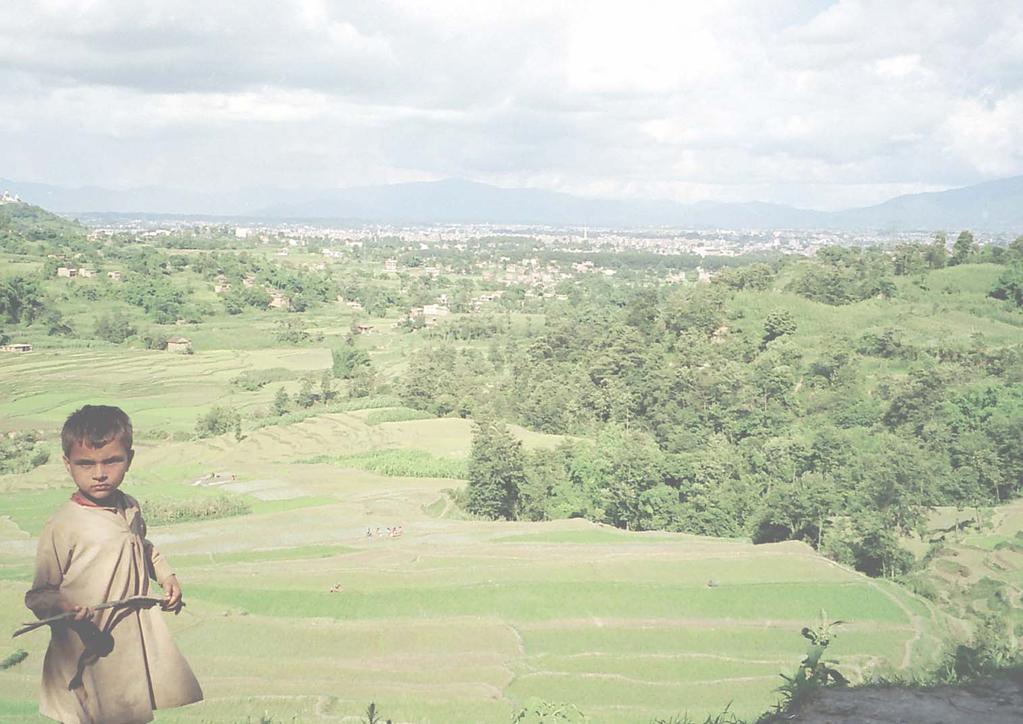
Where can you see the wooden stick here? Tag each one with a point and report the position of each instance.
(32, 626)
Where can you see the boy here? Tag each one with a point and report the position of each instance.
(116, 665)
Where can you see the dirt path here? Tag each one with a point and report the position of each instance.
(916, 622)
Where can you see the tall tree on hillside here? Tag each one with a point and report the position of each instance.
(347, 359)
(1010, 285)
(937, 253)
(962, 249)
(779, 322)
(496, 471)
(1016, 248)
(21, 299)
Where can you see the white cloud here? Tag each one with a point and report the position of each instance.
(898, 66)
(807, 102)
(986, 135)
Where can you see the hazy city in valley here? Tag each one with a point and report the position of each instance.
(520, 363)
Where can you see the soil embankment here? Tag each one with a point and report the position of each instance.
(996, 700)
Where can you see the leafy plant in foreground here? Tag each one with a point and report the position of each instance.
(373, 716)
(814, 672)
(725, 717)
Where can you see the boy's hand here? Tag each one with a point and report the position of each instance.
(173, 590)
(79, 613)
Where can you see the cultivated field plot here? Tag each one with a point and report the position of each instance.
(293, 610)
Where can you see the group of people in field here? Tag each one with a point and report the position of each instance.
(394, 532)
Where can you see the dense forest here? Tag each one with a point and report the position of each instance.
(702, 420)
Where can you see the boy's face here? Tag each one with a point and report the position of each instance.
(98, 471)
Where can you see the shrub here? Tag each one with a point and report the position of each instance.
(21, 452)
(218, 421)
(400, 463)
(223, 506)
(114, 327)
(813, 673)
(398, 414)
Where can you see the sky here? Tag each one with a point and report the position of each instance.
(811, 103)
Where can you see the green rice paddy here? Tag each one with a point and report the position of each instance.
(296, 613)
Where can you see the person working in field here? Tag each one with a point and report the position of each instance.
(115, 665)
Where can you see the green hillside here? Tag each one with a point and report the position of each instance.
(455, 621)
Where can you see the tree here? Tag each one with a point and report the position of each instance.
(114, 327)
(347, 359)
(305, 396)
(363, 382)
(627, 464)
(496, 471)
(218, 421)
(962, 249)
(797, 511)
(21, 299)
(57, 325)
(326, 387)
(778, 323)
(1010, 285)
(281, 402)
(698, 309)
(1015, 249)
(290, 331)
(937, 252)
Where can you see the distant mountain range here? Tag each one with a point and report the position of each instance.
(990, 206)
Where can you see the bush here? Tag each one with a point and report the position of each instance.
(401, 463)
(347, 359)
(398, 414)
(218, 421)
(921, 585)
(164, 512)
(365, 403)
(290, 331)
(993, 648)
(115, 327)
(253, 380)
(21, 452)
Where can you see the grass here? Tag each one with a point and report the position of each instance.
(29, 510)
(270, 555)
(546, 600)
(399, 463)
(397, 414)
(597, 535)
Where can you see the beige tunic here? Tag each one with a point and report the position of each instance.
(87, 556)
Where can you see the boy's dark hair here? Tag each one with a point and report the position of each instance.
(95, 426)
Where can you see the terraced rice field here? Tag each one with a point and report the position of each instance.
(454, 621)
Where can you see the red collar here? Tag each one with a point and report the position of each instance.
(116, 501)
